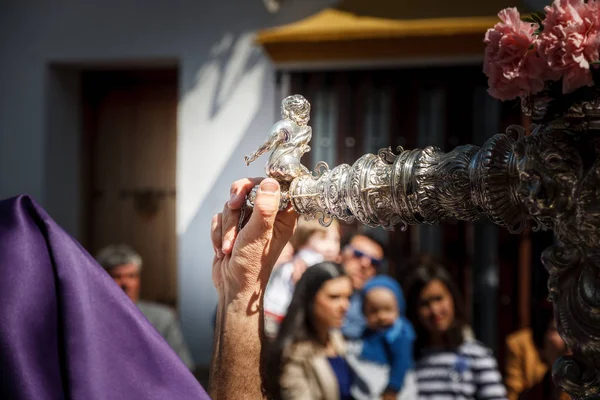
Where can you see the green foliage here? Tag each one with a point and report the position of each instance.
(535, 18)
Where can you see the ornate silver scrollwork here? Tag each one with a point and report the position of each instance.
(494, 177)
(419, 186)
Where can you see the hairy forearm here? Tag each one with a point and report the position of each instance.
(235, 369)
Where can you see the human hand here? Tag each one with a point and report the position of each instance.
(299, 270)
(243, 260)
(389, 395)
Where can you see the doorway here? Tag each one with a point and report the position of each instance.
(130, 142)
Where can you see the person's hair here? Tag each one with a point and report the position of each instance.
(426, 269)
(540, 322)
(299, 323)
(118, 254)
(369, 235)
(306, 229)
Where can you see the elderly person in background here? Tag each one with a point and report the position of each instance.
(124, 265)
(112, 352)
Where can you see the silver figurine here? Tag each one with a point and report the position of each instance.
(288, 139)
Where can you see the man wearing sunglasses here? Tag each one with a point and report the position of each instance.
(361, 257)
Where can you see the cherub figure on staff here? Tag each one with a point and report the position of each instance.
(288, 139)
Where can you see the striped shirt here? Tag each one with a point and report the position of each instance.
(468, 373)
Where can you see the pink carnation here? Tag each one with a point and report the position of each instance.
(570, 42)
(511, 63)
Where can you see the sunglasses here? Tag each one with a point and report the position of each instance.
(376, 262)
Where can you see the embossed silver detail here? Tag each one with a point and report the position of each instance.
(537, 106)
(420, 186)
(494, 177)
(581, 115)
(443, 184)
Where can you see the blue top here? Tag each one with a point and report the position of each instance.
(393, 347)
(355, 323)
(343, 374)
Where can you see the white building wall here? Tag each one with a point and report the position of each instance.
(227, 104)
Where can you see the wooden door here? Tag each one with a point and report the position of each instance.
(131, 126)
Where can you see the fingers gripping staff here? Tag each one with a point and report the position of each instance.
(244, 253)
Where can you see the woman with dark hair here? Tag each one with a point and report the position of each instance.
(306, 359)
(449, 362)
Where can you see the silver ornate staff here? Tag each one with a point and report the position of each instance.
(388, 189)
(551, 177)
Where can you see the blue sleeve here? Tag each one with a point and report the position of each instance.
(401, 354)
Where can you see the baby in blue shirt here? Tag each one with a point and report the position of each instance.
(383, 361)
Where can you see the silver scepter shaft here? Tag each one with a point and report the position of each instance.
(416, 186)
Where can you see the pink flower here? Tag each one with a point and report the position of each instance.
(570, 42)
(511, 62)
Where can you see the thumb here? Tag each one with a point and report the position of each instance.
(266, 206)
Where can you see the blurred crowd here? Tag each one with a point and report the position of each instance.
(342, 329)
(339, 328)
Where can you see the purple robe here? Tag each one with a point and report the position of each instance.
(66, 330)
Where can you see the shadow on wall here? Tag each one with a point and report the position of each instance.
(227, 106)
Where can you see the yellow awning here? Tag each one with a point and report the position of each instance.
(336, 25)
(392, 31)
